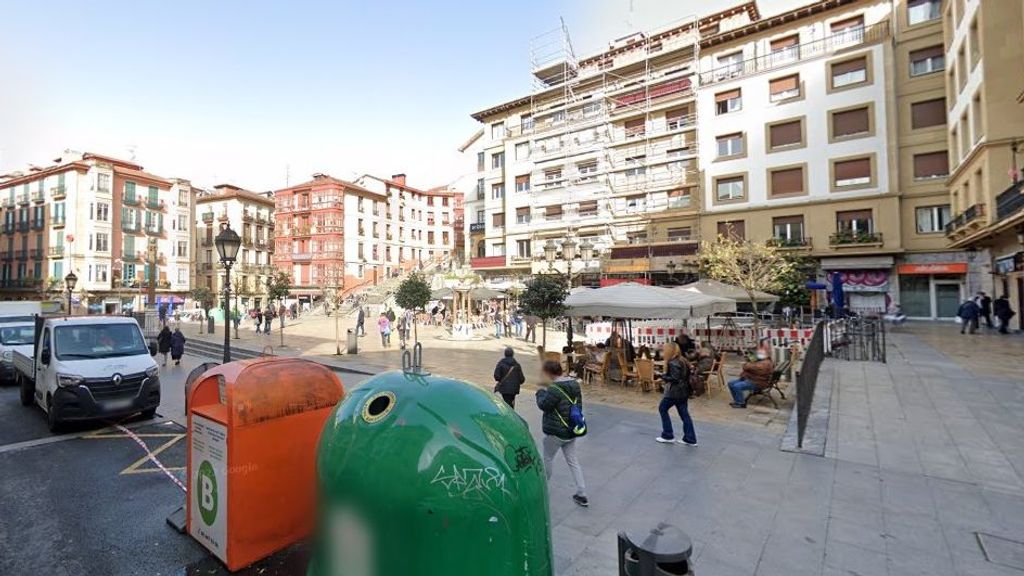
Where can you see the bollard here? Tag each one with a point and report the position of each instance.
(661, 551)
(353, 341)
(424, 475)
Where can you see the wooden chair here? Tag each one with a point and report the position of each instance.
(625, 372)
(717, 374)
(644, 374)
(597, 368)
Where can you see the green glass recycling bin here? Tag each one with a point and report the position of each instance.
(428, 476)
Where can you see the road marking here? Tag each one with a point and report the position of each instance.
(72, 436)
(134, 467)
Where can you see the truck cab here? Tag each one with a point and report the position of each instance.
(20, 336)
(90, 367)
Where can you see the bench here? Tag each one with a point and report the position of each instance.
(773, 384)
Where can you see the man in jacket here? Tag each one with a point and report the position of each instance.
(756, 375)
(556, 398)
(1003, 312)
(531, 328)
(968, 314)
(361, 322)
(985, 303)
(508, 378)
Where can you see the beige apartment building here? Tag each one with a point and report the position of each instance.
(983, 42)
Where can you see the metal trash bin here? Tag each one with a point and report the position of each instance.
(353, 341)
(661, 551)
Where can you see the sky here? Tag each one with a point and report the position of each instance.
(261, 94)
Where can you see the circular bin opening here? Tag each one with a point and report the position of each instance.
(378, 406)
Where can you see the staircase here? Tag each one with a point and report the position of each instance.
(204, 349)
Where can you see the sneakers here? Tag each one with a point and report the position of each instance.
(735, 405)
(684, 442)
(581, 500)
(664, 440)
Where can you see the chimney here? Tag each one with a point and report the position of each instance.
(399, 178)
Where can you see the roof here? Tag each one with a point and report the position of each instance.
(431, 192)
(756, 26)
(471, 140)
(112, 160)
(322, 179)
(229, 191)
(141, 175)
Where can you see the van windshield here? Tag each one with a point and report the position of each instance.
(17, 335)
(98, 341)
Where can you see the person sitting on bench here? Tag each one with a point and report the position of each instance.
(755, 375)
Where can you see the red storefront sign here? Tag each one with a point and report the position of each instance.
(939, 268)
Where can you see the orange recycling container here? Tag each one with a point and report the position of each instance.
(253, 428)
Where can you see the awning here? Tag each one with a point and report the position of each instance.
(858, 263)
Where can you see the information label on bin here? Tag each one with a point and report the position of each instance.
(208, 498)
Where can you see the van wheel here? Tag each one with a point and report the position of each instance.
(148, 414)
(52, 421)
(27, 390)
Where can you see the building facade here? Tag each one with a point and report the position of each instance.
(121, 230)
(332, 233)
(985, 131)
(251, 216)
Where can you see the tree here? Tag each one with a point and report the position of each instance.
(753, 266)
(794, 291)
(280, 286)
(204, 296)
(413, 294)
(544, 298)
(333, 292)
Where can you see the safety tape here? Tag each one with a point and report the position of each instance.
(151, 456)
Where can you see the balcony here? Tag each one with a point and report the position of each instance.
(487, 262)
(58, 192)
(37, 253)
(301, 256)
(208, 217)
(790, 243)
(23, 200)
(206, 242)
(261, 219)
(56, 251)
(8, 227)
(787, 56)
(131, 227)
(38, 197)
(38, 223)
(24, 226)
(57, 221)
(131, 257)
(477, 228)
(246, 242)
(246, 216)
(852, 238)
(971, 216)
(5, 255)
(1010, 202)
(8, 202)
(21, 254)
(131, 201)
(685, 248)
(154, 204)
(300, 231)
(207, 266)
(154, 230)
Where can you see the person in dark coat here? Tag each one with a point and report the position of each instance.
(508, 378)
(677, 393)
(555, 398)
(361, 322)
(177, 346)
(968, 314)
(163, 342)
(1003, 312)
(985, 303)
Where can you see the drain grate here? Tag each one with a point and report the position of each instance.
(1002, 551)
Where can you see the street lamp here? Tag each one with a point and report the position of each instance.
(227, 243)
(569, 248)
(69, 282)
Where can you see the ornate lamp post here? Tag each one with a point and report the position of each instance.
(69, 283)
(569, 247)
(227, 243)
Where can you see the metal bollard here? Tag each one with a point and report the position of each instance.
(661, 551)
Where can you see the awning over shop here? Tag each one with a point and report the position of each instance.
(858, 263)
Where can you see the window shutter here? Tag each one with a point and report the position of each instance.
(785, 134)
(789, 220)
(523, 211)
(931, 164)
(729, 95)
(856, 21)
(849, 66)
(553, 211)
(849, 122)
(851, 215)
(925, 53)
(783, 43)
(784, 84)
(850, 169)
(789, 181)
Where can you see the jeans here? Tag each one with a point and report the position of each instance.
(970, 325)
(689, 434)
(497, 329)
(519, 328)
(738, 387)
(385, 339)
(552, 444)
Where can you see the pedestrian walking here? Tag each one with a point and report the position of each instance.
(985, 305)
(259, 320)
(403, 329)
(508, 377)
(968, 316)
(531, 328)
(391, 315)
(384, 325)
(163, 342)
(676, 381)
(268, 319)
(236, 318)
(361, 322)
(177, 346)
(561, 401)
(498, 324)
(1003, 311)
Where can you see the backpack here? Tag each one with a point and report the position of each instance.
(577, 424)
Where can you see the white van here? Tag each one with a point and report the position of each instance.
(14, 336)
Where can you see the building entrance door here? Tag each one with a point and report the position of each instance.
(947, 298)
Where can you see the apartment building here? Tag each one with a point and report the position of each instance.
(335, 233)
(118, 228)
(603, 150)
(251, 216)
(985, 129)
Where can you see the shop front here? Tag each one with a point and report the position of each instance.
(932, 291)
(1009, 280)
(865, 280)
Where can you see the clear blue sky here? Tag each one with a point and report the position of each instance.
(240, 92)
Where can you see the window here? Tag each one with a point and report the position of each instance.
(733, 228)
(635, 202)
(730, 65)
(683, 234)
(636, 166)
(676, 119)
(919, 11)
(553, 212)
(849, 31)
(102, 273)
(785, 49)
(785, 181)
(855, 221)
(784, 88)
(591, 109)
(480, 189)
(931, 165)
(497, 131)
(479, 161)
(928, 113)
(526, 123)
(783, 134)
(497, 191)
(788, 229)
(976, 118)
(730, 101)
(730, 145)
(523, 248)
(586, 170)
(497, 249)
(523, 215)
(182, 276)
(129, 190)
(498, 220)
(182, 249)
(523, 151)
(553, 175)
(182, 222)
(523, 183)
(588, 208)
(850, 72)
(856, 172)
(927, 60)
(634, 128)
(731, 188)
(932, 219)
(849, 123)
(479, 216)
(102, 242)
(498, 160)
(103, 182)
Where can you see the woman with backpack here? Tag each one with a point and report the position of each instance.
(561, 401)
(677, 391)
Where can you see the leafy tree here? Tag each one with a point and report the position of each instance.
(752, 265)
(413, 294)
(794, 284)
(280, 286)
(544, 298)
(205, 297)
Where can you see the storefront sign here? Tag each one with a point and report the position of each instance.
(862, 280)
(1009, 263)
(938, 268)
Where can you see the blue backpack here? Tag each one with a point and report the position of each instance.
(577, 424)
